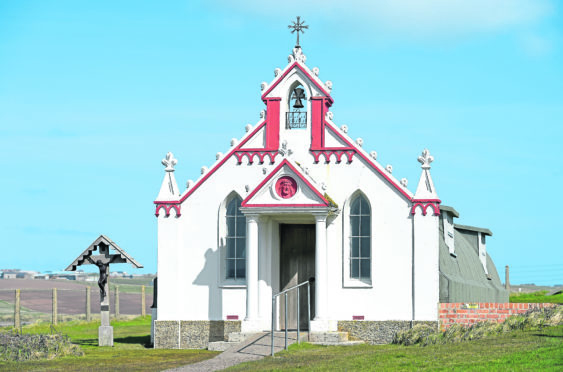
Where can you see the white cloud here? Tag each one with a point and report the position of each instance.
(418, 18)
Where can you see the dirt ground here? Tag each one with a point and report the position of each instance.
(37, 295)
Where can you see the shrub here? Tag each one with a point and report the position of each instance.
(533, 319)
(19, 347)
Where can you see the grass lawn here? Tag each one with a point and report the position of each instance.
(538, 296)
(128, 354)
(531, 350)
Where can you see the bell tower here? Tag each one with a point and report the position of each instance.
(297, 103)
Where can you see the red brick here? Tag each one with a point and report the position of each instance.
(492, 316)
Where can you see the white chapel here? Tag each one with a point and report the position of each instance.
(295, 201)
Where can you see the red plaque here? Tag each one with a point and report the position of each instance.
(286, 187)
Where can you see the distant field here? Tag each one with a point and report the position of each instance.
(36, 298)
(539, 296)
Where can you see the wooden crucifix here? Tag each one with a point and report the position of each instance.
(103, 245)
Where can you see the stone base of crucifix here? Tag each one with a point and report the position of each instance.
(105, 331)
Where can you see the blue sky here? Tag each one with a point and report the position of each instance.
(93, 95)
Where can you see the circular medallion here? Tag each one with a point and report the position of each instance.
(286, 187)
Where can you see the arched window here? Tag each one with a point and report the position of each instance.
(235, 265)
(360, 239)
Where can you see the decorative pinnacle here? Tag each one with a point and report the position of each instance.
(298, 26)
(425, 159)
(169, 162)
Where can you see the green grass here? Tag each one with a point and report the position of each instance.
(130, 352)
(536, 297)
(518, 350)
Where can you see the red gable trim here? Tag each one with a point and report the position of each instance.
(367, 160)
(270, 176)
(214, 169)
(295, 64)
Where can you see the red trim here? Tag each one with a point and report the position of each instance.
(296, 64)
(358, 317)
(251, 153)
(214, 169)
(273, 119)
(284, 205)
(338, 153)
(258, 127)
(232, 317)
(424, 204)
(367, 160)
(270, 176)
(317, 123)
(167, 206)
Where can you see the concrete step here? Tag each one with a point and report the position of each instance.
(328, 337)
(341, 343)
(220, 345)
(239, 336)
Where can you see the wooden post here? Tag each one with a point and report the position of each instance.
(88, 315)
(55, 314)
(17, 308)
(506, 278)
(143, 305)
(116, 301)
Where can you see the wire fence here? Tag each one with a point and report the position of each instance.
(24, 306)
(549, 274)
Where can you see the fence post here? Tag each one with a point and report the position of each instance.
(507, 278)
(54, 314)
(17, 318)
(143, 305)
(88, 315)
(116, 301)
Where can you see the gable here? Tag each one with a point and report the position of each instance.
(291, 72)
(285, 186)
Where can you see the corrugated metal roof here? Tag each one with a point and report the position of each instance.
(462, 278)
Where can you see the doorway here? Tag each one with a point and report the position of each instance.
(297, 264)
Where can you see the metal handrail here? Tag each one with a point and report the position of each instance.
(285, 292)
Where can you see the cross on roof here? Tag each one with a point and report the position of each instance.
(298, 26)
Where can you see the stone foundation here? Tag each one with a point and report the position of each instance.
(191, 334)
(376, 332)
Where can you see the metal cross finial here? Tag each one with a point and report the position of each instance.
(298, 26)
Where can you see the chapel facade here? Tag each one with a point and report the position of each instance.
(297, 200)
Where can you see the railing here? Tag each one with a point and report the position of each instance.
(296, 120)
(284, 293)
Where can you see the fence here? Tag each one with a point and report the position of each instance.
(24, 306)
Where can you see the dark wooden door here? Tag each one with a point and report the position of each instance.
(297, 264)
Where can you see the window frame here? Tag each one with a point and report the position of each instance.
(347, 280)
(223, 239)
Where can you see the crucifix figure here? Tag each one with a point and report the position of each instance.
(298, 26)
(103, 266)
(102, 260)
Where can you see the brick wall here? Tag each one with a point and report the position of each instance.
(469, 313)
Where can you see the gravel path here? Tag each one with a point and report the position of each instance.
(256, 347)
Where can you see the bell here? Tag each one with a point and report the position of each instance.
(298, 94)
